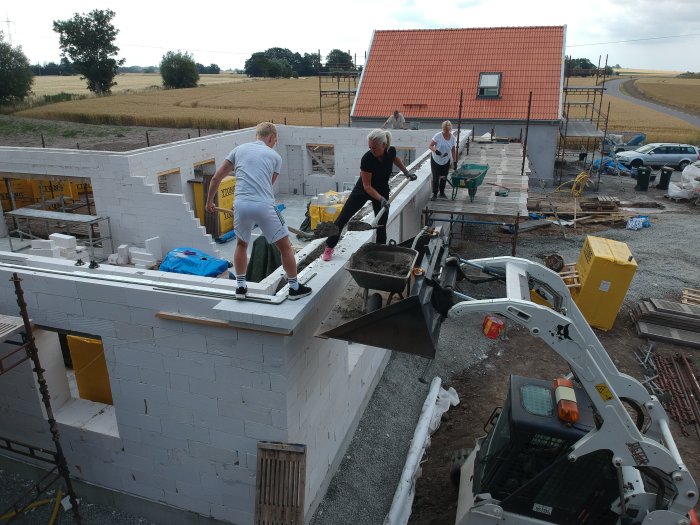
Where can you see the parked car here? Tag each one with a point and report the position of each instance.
(660, 154)
(615, 143)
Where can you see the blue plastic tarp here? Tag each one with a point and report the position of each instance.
(191, 261)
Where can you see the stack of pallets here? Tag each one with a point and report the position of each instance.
(600, 203)
(668, 321)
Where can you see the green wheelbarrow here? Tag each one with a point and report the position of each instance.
(468, 176)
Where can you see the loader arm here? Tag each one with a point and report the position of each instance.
(568, 333)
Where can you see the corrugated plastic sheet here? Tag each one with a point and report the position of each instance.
(421, 72)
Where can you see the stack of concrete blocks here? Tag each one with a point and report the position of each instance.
(44, 248)
(68, 246)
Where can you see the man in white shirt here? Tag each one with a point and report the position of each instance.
(395, 121)
(257, 166)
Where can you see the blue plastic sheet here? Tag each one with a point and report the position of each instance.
(191, 261)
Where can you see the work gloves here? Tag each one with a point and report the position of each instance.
(411, 176)
(384, 203)
(439, 153)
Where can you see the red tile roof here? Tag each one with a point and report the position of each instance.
(421, 72)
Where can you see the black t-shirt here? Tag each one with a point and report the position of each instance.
(380, 169)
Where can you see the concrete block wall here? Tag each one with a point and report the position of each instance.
(190, 401)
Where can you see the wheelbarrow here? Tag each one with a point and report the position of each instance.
(382, 267)
(468, 176)
(410, 325)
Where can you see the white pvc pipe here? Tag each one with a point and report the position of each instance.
(400, 509)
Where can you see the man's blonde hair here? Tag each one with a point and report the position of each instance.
(265, 129)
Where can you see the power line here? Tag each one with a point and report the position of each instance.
(633, 40)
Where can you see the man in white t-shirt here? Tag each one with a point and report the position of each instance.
(395, 121)
(257, 165)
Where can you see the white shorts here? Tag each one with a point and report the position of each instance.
(246, 214)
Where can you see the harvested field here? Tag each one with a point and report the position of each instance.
(231, 105)
(682, 93)
(52, 85)
(628, 116)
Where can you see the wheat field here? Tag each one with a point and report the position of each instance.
(127, 82)
(681, 92)
(230, 101)
(226, 105)
(625, 116)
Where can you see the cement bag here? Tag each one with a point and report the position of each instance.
(191, 261)
(677, 192)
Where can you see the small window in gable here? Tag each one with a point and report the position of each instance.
(489, 85)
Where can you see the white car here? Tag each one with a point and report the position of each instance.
(660, 154)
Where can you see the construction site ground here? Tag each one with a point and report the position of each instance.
(478, 368)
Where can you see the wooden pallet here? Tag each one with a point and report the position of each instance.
(280, 482)
(600, 203)
(690, 296)
(570, 276)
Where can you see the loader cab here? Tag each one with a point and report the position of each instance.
(522, 462)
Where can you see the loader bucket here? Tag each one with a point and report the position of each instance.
(408, 326)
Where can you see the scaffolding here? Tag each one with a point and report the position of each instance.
(340, 82)
(26, 350)
(580, 135)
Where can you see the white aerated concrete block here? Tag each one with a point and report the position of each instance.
(155, 247)
(46, 252)
(42, 244)
(64, 241)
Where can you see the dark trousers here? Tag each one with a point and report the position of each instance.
(439, 172)
(356, 200)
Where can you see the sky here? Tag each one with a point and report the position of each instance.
(640, 34)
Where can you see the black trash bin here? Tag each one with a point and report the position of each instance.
(643, 174)
(665, 178)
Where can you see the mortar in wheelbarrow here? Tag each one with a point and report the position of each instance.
(382, 267)
(411, 325)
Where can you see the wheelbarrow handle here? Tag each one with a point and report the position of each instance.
(381, 213)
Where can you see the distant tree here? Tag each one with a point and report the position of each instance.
(338, 59)
(178, 70)
(310, 64)
(16, 76)
(211, 69)
(580, 67)
(88, 40)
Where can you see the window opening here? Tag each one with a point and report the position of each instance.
(489, 85)
(322, 158)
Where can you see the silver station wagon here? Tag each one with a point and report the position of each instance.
(659, 154)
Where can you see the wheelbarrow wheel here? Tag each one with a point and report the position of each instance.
(374, 303)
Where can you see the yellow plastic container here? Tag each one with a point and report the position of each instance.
(90, 369)
(327, 211)
(224, 200)
(606, 269)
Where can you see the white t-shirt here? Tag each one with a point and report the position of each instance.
(398, 122)
(444, 146)
(255, 163)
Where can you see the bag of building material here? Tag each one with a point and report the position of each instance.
(192, 261)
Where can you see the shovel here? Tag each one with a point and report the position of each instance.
(359, 225)
(318, 233)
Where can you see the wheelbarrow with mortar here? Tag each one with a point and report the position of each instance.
(411, 324)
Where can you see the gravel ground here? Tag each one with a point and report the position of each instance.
(362, 490)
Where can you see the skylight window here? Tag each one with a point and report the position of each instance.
(489, 85)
